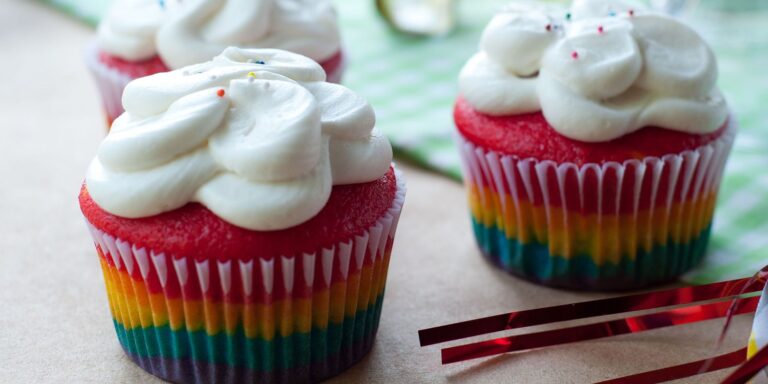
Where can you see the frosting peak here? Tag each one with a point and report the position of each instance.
(256, 136)
(193, 31)
(597, 72)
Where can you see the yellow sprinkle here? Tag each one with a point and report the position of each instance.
(251, 74)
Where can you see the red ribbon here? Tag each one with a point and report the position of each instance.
(733, 301)
(749, 369)
(614, 305)
(683, 370)
(677, 316)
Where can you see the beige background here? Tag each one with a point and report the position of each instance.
(54, 320)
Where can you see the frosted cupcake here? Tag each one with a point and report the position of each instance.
(593, 141)
(143, 37)
(758, 339)
(244, 215)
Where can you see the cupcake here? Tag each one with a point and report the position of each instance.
(593, 142)
(142, 37)
(758, 339)
(243, 215)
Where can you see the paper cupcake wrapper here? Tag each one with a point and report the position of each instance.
(758, 339)
(291, 319)
(110, 82)
(595, 226)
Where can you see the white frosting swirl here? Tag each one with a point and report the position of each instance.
(193, 31)
(260, 145)
(598, 72)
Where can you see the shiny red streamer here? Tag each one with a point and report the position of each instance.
(683, 370)
(614, 305)
(677, 316)
(708, 365)
(749, 369)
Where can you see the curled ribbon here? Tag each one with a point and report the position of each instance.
(733, 297)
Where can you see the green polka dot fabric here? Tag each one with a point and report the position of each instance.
(411, 83)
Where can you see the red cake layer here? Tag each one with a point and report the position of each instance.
(530, 136)
(194, 231)
(136, 69)
(334, 63)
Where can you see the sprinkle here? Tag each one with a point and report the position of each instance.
(256, 61)
(631, 12)
(612, 13)
(568, 16)
(251, 75)
(600, 29)
(221, 92)
(162, 3)
(549, 27)
(575, 55)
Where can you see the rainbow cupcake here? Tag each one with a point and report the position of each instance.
(593, 142)
(758, 339)
(141, 38)
(244, 216)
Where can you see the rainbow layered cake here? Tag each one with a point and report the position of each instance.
(758, 339)
(244, 216)
(593, 141)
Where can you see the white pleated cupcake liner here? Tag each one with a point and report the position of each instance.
(256, 279)
(759, 335)
(690, 173)
(110, 82)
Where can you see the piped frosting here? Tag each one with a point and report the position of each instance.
(193, 31)
(257, 136)
(598, 71)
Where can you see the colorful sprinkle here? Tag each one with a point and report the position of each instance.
(568, 16)
(600, 29)
(162, 3)
(612, 13)
(549, 27)
(221, 92)
(251, 75)
(631, 12)
(255, 61)
(574, 55)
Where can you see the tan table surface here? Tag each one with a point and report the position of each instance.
(54, 320)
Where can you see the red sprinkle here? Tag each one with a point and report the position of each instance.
(221, 92)
(631, 12)
(549, 27)
(575, 55)
(600, 29)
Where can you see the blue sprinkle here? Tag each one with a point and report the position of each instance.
(162, 3)
(612, 13)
